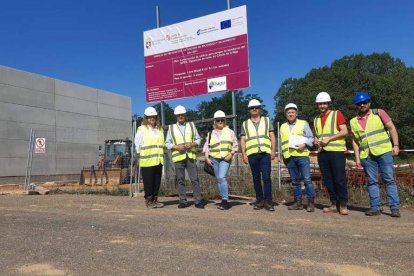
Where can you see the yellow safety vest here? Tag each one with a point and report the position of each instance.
(220, 148)
(374, 139)
(152, 148)
(178, 139)
(285, 133)
(257, 140)
(329, 130)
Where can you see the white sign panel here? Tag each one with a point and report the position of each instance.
(40, 145)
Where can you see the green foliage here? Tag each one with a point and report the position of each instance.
(388, 81)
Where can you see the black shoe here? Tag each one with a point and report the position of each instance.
(259, 205)
(182, 205)
(373, 212)
(199, 205)
(224, 205)
(268, 205)
(395, 213)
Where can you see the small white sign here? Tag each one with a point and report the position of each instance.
(40, 145)
(217, 84)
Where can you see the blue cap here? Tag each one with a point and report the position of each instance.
(361, 96)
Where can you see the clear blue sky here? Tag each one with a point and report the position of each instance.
(98, 43)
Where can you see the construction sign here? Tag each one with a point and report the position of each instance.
(40, 145)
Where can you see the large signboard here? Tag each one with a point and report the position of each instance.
(196, 57)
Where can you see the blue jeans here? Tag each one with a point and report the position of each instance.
(221, 167)
(385, 164)
(261, 166)
(299, 167)
(332, 166)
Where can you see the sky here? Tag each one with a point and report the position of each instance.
(99, 43)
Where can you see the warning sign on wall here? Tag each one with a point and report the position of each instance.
(40, 145)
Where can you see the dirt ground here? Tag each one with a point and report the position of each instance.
(109, 235)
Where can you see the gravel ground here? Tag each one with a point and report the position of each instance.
(104, 235)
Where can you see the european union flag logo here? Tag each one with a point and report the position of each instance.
(225, 24)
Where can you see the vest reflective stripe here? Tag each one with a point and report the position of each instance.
(374, 139)
(152, 148)
(297, 130)
(221, 148)
(178, 139)
(329, 130)
(257, 140)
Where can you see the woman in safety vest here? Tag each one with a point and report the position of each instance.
(149, 142)
(219, 150)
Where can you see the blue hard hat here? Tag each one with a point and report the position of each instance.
(361, 96)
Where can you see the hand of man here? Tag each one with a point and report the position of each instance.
(245, 159)
(301, 147)
(228, 157)
(188, 145)
(180, 147)
(395, 150)
(324, 142)
(273, 156)
(209, 162)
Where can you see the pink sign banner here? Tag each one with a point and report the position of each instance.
(196, 57)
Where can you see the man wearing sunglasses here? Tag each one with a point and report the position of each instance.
(258, 146)
(330, 133)
(183, 139)
(373, 151)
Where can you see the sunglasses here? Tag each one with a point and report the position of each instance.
(362, 103)
(219, 120)
(180, 115)
(254, 107)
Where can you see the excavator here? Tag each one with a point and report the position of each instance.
(113, 166)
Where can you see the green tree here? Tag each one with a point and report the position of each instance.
(389, 82)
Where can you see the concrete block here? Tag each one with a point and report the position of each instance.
(77, 91)
(63, 103)
(75, 120)
(28, 80)
(26, 114)
(113, 99)
(69, 150)
(113, 112)
(24, 96)
(108, 124)
(76, 136)
(21, 131)
(12, 166)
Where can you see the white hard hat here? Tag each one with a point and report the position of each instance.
(179, 110)
(150, 111)
(291, 105)
(219, 114)
(254, 102)
(323, 97)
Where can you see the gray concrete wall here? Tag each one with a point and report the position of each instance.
(74, 119)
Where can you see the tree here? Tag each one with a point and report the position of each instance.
(388, 81)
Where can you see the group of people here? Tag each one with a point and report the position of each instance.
(374, 140)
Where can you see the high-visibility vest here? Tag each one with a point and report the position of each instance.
(220, 148)
(152, 147)
(179, 139)
(285, 133)
(257, 140)
(374, 139)
(329, 129)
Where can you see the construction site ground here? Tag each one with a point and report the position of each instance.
(114, 235)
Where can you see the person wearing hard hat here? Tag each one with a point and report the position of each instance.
(149, 144)
(296, 136)
(220, 147)
(258, 144)
(374, 151)
(183, 139)
(330, 133)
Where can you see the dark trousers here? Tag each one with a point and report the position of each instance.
(191, 167)
(260, 164)
(151, 177)
(332, 166)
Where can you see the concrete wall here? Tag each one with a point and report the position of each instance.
(74, 119)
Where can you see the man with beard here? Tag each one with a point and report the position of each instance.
(374, 151)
